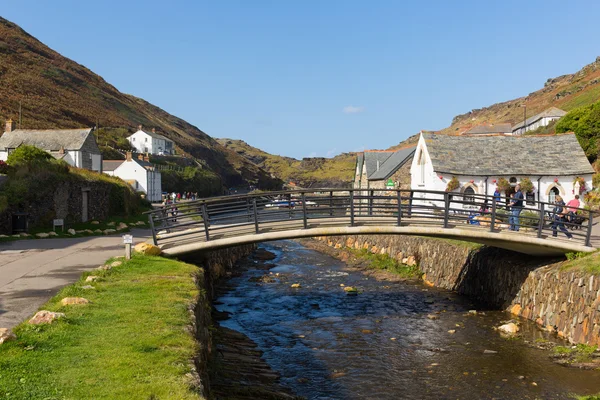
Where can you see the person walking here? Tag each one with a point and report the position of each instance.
(572, 207)
(560, 213)
(516, 206)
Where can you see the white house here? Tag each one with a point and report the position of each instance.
(551, 162)
(538, 120)
(138, 173)
(150, 142)
(77, 147)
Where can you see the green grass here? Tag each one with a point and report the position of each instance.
(592, 397)
(580, 352)
(387, 263)
(586, 262)
(131, 341)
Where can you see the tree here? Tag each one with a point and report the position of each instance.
(585, 123)
(27, 155)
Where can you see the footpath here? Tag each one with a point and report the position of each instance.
(32, 271)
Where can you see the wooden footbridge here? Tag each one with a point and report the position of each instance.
(227, 221)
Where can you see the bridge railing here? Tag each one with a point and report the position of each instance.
(227, 216)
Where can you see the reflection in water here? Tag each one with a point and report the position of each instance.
(383, 343)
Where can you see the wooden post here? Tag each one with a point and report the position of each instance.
(128, 251)
(542, 218)
(410, 201)
(255, 215)
(331, 204)
(588, 236)
(399, 207)
(371, 194)
(304, 216)
(206, 225)
(351, 207)
(151, 222)
(446, 209)
(493, 216)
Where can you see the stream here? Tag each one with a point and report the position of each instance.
(394, 340)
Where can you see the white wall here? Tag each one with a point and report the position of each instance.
(139, 143)
(148, 182)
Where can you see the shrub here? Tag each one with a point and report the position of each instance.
(529, 218)
(453, 184)
(526, 185)
(585, 123)
(581, 182)
(503, 185)
(4, 168)
(596, 180)
(27, 155)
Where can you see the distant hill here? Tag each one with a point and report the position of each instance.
(58, 92)
(565, 92)
(308, 172)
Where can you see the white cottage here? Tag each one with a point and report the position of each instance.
(138, 173)
(551, 162)
(150, 142)
(542, 119)
(77, 147)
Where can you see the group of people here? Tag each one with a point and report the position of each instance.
(560, 214)
(182, 196)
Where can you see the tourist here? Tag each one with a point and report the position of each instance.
(497, 195)
(572, 207)
(516, 206)
(560, 212)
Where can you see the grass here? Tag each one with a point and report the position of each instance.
(580, 352)
(387, 263)
(131, 341)
(586, 262)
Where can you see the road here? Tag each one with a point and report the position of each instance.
(32, 271)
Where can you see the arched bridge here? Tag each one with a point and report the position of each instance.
(218, 222)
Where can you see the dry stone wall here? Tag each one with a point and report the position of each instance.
(566, 302)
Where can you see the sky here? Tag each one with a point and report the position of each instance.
(318, 77)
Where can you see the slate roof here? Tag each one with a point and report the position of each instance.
(154, 135)
(53, 139)
(489, 129)
(111, 165)
(371, 159)
(553, 155)
(551, 112)
(391, 165)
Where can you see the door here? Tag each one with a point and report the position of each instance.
(84, 206)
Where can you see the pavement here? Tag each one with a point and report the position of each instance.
(32, 271)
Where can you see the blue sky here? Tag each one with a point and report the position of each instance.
(306, 78)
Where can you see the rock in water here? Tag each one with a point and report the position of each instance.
(510, 328)
(147, 249)
(6, 335)
(295, 285)
(263, 255)
(45, 317)
(67, 301)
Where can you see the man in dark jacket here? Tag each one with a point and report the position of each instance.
(516, 206)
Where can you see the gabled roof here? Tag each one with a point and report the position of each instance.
(489, 129)
(550, 112)
(49, 140)
(548, 155)
(111, 165)
(152, 134)
(393, 163)
(374, 160)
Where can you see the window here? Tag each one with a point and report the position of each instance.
(513, 181)
(552, 194)
(133, 139)
(469, 195)
(146, 139)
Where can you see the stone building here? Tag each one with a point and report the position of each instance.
(384, 169)
(77, 147)
(542, 119)
(551, 162)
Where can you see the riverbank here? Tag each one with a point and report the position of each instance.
(561, 296)
(132, 337)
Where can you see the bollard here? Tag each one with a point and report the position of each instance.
(128, 241)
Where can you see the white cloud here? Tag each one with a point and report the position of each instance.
(353, 109)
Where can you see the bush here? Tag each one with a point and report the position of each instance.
(529, 218)
(453, 184)
(27, 155)
(526, 185)
(585, 122)
(4, 168)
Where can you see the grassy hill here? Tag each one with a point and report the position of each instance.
(566, 92)
(58, 92)
(308, 172)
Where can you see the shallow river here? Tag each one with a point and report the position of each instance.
(329, 345)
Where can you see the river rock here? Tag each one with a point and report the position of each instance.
(263, 255)
(295, 285)
(122, 226)
(92, 278)
(98, 231)
(147, 249)
(510, 328)
(110, 224)
(71, 231)
(68, 301)
(490, 352)
(52, 233)
(95, 223)
(6, 335)
(42, 235)
(45, 317)
(23, 234)
(116, 264)
(411, 261)
(88, 287)
(452, 331)
(432, 316)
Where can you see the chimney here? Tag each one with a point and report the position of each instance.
(140, 127)
(141, 157)
(10, 126)
(146, 158)
(153, 130)
(128, 156)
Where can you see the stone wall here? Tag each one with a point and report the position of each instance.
(564, 302)
(214, 265)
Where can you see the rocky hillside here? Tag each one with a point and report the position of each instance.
(565, 92)
(57, 92)
(308, 172)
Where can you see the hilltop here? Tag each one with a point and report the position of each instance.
(566, 92)
(57, 92)
(308, 172)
